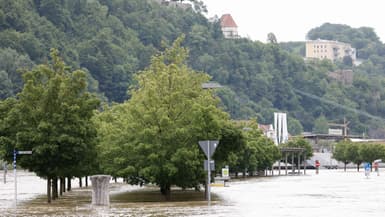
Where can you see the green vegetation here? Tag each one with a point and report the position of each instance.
(151, 138)
(358, 153)
(113, 40)
(167, 115)
(155, 110)
(52, 117)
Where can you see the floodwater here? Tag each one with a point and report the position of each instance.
(331, 193)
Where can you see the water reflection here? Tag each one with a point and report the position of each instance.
(331, 193)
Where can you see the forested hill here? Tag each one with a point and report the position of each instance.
(114, 39)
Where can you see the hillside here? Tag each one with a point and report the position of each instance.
(114, 39)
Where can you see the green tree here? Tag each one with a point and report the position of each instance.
(271, 38)
(340, 153)
(113, 142)
(5, 85)
(52, 116)
(11, 66)
(321, 125)
(168, 114)
(260, 152)
(370, 152)
(294, 126)
(228, 152)
(354, 155)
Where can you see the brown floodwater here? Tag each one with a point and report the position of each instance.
(331, 193)
(125, 200)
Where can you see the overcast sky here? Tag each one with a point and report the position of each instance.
(290, 20)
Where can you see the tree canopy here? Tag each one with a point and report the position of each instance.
(113, 40)
(168, 113)
(51, 116)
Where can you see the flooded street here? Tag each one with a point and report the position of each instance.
(332, 193)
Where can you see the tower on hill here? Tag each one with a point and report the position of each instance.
(228, 26)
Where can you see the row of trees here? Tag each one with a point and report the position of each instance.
(151, 138)
(155, 134)
(350, 152)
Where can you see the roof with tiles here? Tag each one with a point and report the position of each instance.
(227, 21)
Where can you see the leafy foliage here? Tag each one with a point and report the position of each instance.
(51, 116)
(358, 152)
(167, 115)
(113, 40)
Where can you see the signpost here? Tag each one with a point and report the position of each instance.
(5, 168)
(208, 148)
(15, 153)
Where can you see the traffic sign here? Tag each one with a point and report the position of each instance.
(208, 147)
(24, 152)
(15, 153)
(212, 165)
(225, 172)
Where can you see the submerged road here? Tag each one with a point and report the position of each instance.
(332, 193)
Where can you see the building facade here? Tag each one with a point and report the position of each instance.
(267, 130)
(332, 50)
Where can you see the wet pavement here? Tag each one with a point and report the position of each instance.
(332, 193)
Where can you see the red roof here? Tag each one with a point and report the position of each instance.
(228, 21)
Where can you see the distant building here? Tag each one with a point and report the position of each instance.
(332, 50)
(228, 26)
(267, 130)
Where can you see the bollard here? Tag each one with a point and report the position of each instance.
(100, 192)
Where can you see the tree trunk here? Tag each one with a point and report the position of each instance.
(68, 183)
(63, 179)
(166, 191)
(54, 189)
(345, 166)
(358, 167)
(206, 189)
(116, 179)
(86, 181)
(49, 190)
(61, 186)
(80, 182)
